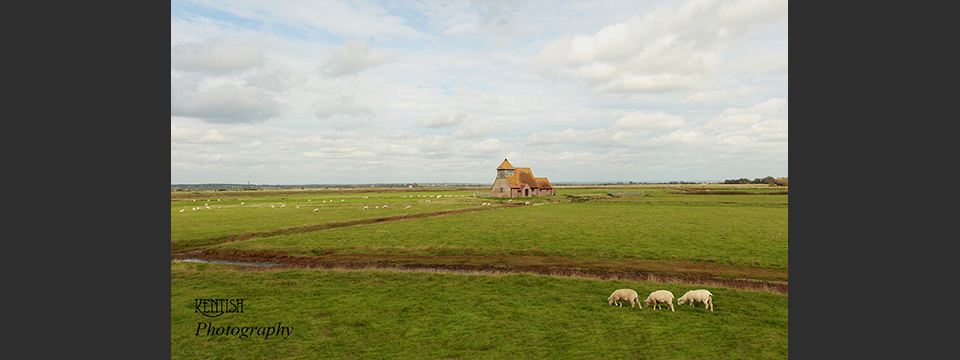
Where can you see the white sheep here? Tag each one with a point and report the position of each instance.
(364, 208)
(316, 210)
(243, 203)
(384, 206)
(181, 210)
(272, 207)
(408, 206)
(659, 297)
(694, 296)
(624, 295)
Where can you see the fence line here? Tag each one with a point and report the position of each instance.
(482, 194)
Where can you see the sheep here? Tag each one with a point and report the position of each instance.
(282, 205)
(365, 207)
(384, 206)
(701, 296)
(181, 210)
(218, 208)
(243, 203)
(659, 297)
(316, 210)
(408, 206)
(624, 295)
(272, 207)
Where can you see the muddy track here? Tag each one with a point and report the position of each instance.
(695, 274)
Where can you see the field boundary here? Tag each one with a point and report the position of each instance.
(186, 244)
(688, 273)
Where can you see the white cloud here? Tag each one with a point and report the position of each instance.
(276, 78)
(722, 95)
(761, 64)
(442, 119)
(476, 130)
(225, 104)
(731, 119)
(215, 55)
(354, 57)
(653, 121)
(664, 51)
(197, 136)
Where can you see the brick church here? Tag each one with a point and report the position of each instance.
(519, 182)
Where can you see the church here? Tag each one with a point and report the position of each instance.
(519, 182)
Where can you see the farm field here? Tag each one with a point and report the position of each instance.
(681, 237)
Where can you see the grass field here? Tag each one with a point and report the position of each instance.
(389, 314)
(401, 315)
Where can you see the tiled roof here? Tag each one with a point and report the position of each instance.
(524, 176)
(543, 183)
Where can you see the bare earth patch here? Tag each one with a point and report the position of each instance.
(684, 272)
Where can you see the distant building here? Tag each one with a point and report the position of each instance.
(519, 182)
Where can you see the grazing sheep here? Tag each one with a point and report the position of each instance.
(624, 295)
(364, 208)
(243, 203)
(283, 205)
(218, 208)
(316, 210)
(272, 207)
(694, 296)
(181, 210)
(384, 206)
(659, 297)
(408, 206)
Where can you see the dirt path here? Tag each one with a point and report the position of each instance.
(682, 272)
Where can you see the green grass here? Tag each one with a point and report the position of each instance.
(257, 215)
(753, 235)
(403, 315)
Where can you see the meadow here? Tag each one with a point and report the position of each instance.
(393, 314)
(369, 314)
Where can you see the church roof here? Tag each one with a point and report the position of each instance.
(543, 183)
(505, 165)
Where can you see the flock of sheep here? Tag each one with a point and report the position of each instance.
(662, 297)
(341, 200)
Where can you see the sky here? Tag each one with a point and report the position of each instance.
(359, 92)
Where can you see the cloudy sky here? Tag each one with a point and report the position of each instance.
(344, 92)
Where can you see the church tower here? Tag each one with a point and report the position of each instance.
(504, 170)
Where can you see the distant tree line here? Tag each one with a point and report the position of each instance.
(770, 180)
